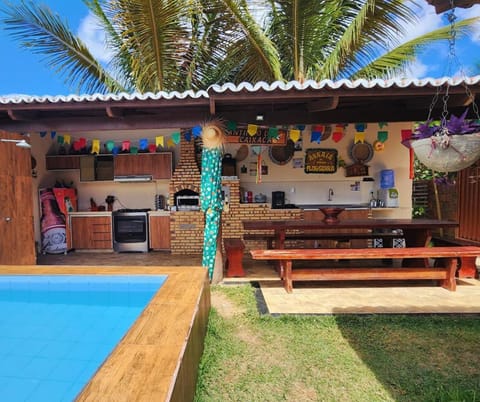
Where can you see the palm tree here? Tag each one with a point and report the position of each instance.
(178, 45)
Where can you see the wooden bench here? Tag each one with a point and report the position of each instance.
(234, 249)
(467, 267)
(270, 237)
(445, 274)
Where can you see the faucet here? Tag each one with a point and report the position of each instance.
(330, 194)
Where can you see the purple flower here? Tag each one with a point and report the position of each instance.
(455, 125)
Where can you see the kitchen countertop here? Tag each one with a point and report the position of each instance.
(314, 207)
(91, 213)
(159, 213)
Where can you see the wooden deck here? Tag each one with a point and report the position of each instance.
(158, 358)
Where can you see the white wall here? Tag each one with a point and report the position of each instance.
(303, 188)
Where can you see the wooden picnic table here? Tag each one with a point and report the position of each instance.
(416, 232)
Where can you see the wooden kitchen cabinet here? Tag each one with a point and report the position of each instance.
(162, 164)
(159, 165)
(91, 232)
(159, 227)
(62, 162)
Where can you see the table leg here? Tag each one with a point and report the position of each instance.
(416, 238)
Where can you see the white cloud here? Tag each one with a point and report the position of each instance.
(94, 37)
(416, 70)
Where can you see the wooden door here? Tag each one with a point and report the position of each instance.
(17, 240)
(468, 206)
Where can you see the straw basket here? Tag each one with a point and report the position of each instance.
(460, 152)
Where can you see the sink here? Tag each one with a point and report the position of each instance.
(331, 214)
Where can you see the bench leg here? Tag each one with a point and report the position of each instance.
(234, 263)
(287, 276)
(450, 282)
(468, 268)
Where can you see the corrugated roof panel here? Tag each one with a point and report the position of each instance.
(17, 99)
(248, 87)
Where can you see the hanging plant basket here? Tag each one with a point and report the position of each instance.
(448, 153)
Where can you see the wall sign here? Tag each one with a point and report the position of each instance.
(241, 136)
(321, 160)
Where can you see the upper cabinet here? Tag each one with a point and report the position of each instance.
(105, 167)
(62, 162)
(159, 165)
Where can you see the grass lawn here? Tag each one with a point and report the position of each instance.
(253, 357)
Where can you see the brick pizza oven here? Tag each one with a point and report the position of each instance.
(186, 227)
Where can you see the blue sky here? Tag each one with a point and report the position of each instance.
(23, 72)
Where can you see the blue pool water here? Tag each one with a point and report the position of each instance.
(56, 330)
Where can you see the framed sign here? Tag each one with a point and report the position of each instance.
(321, 160)
(261, 137)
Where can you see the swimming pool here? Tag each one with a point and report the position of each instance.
(56, 330)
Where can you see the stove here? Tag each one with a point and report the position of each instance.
(130, 230)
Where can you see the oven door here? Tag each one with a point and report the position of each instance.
(130, 229)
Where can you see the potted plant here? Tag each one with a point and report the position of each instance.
(447, 145)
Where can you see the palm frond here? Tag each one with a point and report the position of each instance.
(396, 60)
(36, 28)
(363, 30)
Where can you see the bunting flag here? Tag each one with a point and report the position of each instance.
(273, 133)
(188, 136)
(152, 148)
(382, 124)
(134, 150)
(77, 146)
(66, 139)
(116, 150)
(231, 125)
(252, 129)
(301, 127)
(83, 142)
(382, 136)
(109, 145)
(53, 134)
(406, 134)
(359, 137)
(126, 145)
(171, 143)
(360, 127)
(197, 131)
(159, 141)
(316, 136)
(318, 128)
(337, 136)
(176, 137)
(95, 147)
(60, 139)
(43, 133)
(294, 135)
(143, 143)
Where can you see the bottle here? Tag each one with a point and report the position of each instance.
(373, 201)
(52, 224)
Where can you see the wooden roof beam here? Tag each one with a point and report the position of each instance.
(322, 104)
(19, 115)
(114, 112)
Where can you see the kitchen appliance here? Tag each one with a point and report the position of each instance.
(130, 230)
(387, 194)
(388, 197)
(278, 199)
(188, 203)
